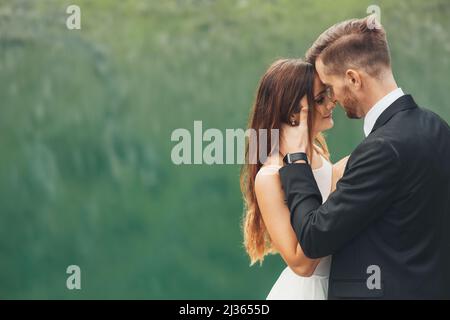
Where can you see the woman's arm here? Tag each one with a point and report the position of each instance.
(338, 171)
(276, 218)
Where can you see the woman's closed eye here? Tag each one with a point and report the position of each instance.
(320, 100)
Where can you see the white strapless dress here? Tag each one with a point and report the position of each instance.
(291, 286)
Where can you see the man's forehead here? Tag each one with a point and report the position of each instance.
(319, 62)
(324, 75)
(319, 70)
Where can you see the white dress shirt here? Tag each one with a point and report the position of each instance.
(373, 114)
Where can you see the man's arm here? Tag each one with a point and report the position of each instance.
(363, 194)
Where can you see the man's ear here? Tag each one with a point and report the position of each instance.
(353, 78)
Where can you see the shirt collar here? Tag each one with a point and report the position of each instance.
(373, 114)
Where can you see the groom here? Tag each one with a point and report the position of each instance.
(387, 225)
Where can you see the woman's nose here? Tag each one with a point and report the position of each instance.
(331, 105)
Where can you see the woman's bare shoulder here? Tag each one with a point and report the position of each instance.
(273, 160)
(271, 166)
(267, 179)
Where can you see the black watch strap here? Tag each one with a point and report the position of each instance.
(293, 157)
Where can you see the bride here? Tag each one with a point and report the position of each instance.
(289, 87)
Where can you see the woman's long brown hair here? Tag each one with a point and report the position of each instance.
(278, 97)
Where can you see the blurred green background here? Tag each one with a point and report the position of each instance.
(86, 117)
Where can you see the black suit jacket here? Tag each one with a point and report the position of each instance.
(391, 210)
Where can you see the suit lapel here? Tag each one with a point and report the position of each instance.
(403, 103)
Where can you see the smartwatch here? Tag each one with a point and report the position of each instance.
(293, 157)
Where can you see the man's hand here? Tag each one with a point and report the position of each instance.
(295, 138)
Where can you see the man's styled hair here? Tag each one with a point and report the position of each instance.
(355, 43)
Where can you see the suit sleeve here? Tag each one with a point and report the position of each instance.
(362, 195)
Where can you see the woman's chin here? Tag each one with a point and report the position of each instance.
(329, 123)
(326, 124)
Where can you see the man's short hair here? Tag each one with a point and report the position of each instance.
(355, 43)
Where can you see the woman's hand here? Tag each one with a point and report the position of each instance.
(295, 138)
